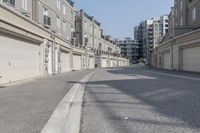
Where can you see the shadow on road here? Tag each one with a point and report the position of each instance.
(171, 97)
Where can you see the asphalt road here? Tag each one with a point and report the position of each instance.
(26, 108)
(138, 100)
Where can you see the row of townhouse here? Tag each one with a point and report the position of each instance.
(89, 35)
(39, 38)
(180, 48)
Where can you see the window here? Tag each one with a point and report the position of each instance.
(45, 11)
(72, 15)
(64, 9)
(58, 23)
(24, 4)
(58, 4)
(64, 26)
(181, 5)
(194, 14)
(190, 1)
(12, 2)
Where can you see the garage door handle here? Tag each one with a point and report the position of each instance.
(0, 77)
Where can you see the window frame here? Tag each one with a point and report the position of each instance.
(194, 14)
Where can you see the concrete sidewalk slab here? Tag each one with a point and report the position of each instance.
(67, 115)
(26, 108)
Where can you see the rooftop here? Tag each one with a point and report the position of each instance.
(91, 18)
(70, 2)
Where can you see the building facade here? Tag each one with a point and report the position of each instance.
(164, 25)
(129, 49)
(181, 46)
(138, 34)
(89, 34)
(149, 34)
(37, 38)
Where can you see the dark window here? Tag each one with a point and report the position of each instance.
(190, 1)
(12, 2)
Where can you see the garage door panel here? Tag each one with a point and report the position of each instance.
(104, 62)
(111, 63)
(166, 61)
(191, 59)
(77, 62)
(65, 62)
(19, 59)
(92, 62)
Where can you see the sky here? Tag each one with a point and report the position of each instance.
(118, 17)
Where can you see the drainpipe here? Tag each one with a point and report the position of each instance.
(53, 54)
(172, 43)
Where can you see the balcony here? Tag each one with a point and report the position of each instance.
(47, 21)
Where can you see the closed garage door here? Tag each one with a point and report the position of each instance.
(111, 63)
(65, 61)
(92, 62)
(166, 61)
(115, 63)
(77, 62)
(19, 59)
(191, 59)
(104, 62)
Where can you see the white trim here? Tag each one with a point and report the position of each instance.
(194, 14)
(24, 5)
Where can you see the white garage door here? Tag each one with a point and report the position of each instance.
(65, 61)
(111, 63)
(115, 63)
(191, 59)
(92, 62)
(77, 62)
(104, 62)
(166, 61)
(19, 59)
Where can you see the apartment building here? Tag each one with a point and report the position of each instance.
(181, 46)
(164, 25)
(129, 49)
(149, 34)
(138, 34)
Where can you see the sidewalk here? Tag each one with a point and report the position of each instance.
(25, 108)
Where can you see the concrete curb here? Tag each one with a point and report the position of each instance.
(67, 115)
